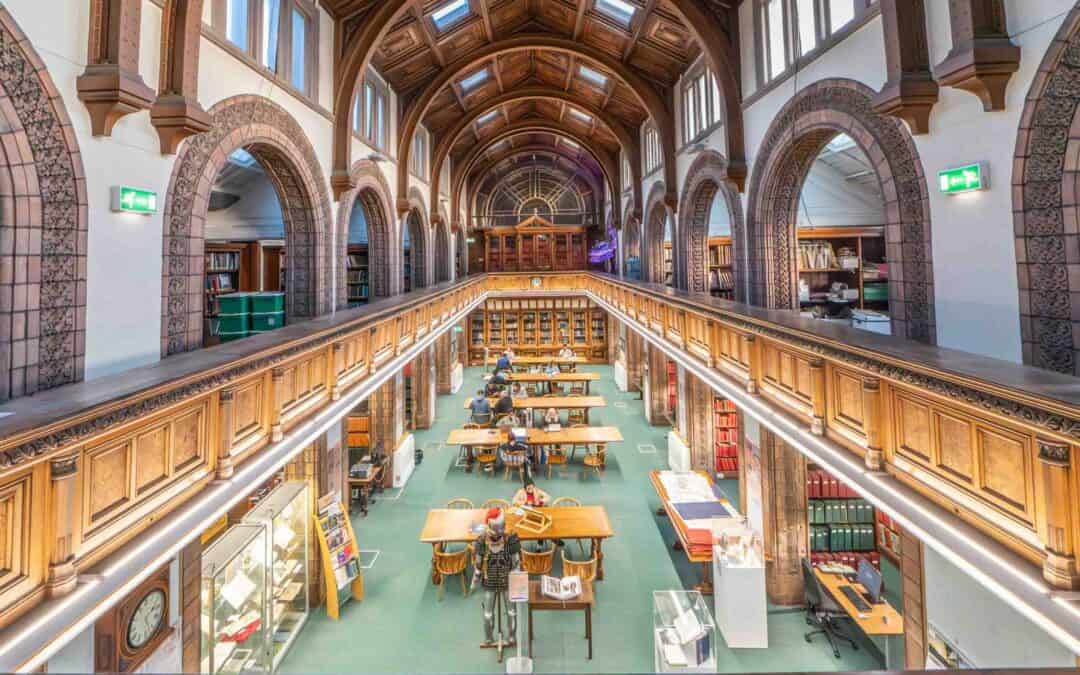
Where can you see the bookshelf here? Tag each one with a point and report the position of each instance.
(672, 392)
(721, 268)
(222, 266)
(726, 437)
(407, 269)
(849, 255)
(356, 272)
(538, 327)
(535, 245)
(669, 265)
(842, 527)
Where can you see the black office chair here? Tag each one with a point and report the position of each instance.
(822, 610)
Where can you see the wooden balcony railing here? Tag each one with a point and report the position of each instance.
(85, 468)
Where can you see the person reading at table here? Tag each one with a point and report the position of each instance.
(566, 352)
(503, 363)
(518, 391)
(530, 495)
(480, 406)
(493, 388)
(551, 417)
(505, 404)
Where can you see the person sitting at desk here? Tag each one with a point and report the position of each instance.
(493, 388)
(503, 363)
(499, 378)
(480, 405)
(505, 404)
(566, 352)
(518, 391)
(551, 416)
(530, 495)
(510, 354)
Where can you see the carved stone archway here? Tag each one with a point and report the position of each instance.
(277, 141)
(794, 140)
(1046, 203)
(44, 222)
(461, 253)
(372, 193)
(419, 253)
(444, 262)
(706, 177)
(652, 242)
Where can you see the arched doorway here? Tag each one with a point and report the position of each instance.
(442, 252)
(42, 200)
(414, 252)
(276, 142)
(656, 232)
(711, 217)
(461, 257)
(799, 134)
(1046, 172)
(363, 220)
(631, 244)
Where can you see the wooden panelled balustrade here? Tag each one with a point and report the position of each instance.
(85, 468)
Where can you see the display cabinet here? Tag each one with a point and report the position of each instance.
(233, 602)
(285, 513)
(535, 244)
(539, 327)
(684, 633)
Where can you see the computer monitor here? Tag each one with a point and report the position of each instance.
(870, 578)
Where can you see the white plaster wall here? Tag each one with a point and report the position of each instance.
(256, 216)
(984, 628)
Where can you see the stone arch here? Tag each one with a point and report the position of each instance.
(44, 224)
(419, 238)
(1046, 207)
(631, 238)
(443, 252)
(707, 176)
(652, 242)
(372, 193)
(277, 141)
(461, 252)
(797, 135)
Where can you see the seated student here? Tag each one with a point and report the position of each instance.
(480, 404)
(500, 378)
(551, 416)
(566, 352)
(493, 388)
(505, 404)
(518, 391)
(503, 363)
(509, 353)
(530, 495)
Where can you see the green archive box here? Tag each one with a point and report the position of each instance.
(232, 323)
(232, 335)
(234, 304)
(265, 321)
(267, 303)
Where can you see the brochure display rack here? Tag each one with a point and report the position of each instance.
(340, 557)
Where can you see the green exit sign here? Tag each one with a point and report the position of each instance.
(458, 329)
(964, 179)
(133, 200)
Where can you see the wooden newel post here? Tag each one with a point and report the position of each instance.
(277, 389)
(337, 364)
(1060, 507)
(63, 510)
(751, 347)
(817, 390)
(226, 432)
(871, 389)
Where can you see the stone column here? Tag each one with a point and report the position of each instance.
(635, 359)
(656, 401)
(423, 389)
(387, 406)
(699, 419)
(64, 511)
(783, 487)
(190, 606)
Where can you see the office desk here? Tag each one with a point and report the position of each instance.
(540, 360)
(557, 402)
(365, 487)
(539, 602)
(881, 624)
(567, 522)
(557, 378)
(564, 436)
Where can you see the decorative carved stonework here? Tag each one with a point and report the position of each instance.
(1042, 166)
(707, 175)
(281, 146)
(177, 114)
(798, 132)
(983, 58)
(1053, 453)
(37, 130)
(652, 253)
(111, 86)
(64, 467)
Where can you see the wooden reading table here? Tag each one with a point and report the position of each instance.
(539, 602)
(557, 378)
(557, 402)
(572, 361)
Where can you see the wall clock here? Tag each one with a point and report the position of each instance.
(135, 627)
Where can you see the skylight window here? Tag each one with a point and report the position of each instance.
(477, 78)
(619, 10)
(570, 143)
(840, 143)
(487, 117)
(594, 76)
(450, 13)
(584, 117)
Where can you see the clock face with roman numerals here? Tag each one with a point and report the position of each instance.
(146, 619)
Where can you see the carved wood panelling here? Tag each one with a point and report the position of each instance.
(14, 532)
(845, 404)
(787, 375)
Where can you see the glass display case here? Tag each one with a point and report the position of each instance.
(684, 633)
(285, 515)
(233, 603)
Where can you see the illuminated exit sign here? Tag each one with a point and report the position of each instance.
(964, 179)
(133, 200)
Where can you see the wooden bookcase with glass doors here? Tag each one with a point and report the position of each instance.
(539, 327)
(535, 245)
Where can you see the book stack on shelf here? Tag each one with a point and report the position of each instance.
(841, 524)
(721, 270)
(340, 557)
(672, 390)
(726, 437)
(669, 265)
(222, 268)
(843, 266)
(817, 256)
(888, 536)
(356, 266)
(538, 327)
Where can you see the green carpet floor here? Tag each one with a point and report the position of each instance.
(400, 627)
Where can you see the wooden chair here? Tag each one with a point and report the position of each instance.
(451, 563)
(460, 503)
(570, 501)
(465, 451)
(538, 562)
(575, 416)
(577, 388)
(496, 503)
(584, 447)
(485, 461)
(596, 459)
(515, 460)
(585, 569)
(557, 457)
(481, 419)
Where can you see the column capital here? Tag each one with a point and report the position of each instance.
(1053, 453)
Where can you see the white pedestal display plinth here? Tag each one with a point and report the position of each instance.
(457, 378)
(404, 460)
(620, 376)
(739, 597)
(678, 452)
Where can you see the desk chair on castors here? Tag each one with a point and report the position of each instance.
(822, 610)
